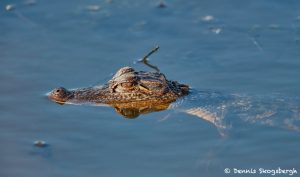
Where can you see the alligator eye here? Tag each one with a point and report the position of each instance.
(59, 95)
(159, 86)
(59, 91)
(127, 84)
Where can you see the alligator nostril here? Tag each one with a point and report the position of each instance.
(57, 90)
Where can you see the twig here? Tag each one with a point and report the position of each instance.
(150, 53)
(146, 61)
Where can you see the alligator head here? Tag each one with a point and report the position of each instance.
(127, 87)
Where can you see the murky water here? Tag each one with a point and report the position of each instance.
(246, 47)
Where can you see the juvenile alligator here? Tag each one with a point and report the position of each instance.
(127, 87)
(129, 91)
(133, 93)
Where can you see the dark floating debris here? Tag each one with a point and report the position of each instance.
(162, 4)
(40, 143)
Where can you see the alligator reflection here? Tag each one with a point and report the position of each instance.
(133, 110)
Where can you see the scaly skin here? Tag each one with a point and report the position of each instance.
(126, 87)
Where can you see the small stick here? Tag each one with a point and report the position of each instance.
(145, 59)
(150, 53)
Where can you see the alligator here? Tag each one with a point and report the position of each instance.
(133, 92)
(127, 89)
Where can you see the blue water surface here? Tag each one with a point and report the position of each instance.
(247, 47)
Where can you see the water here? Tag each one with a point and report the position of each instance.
(249, 47)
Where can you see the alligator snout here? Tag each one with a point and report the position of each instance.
(60, 95)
